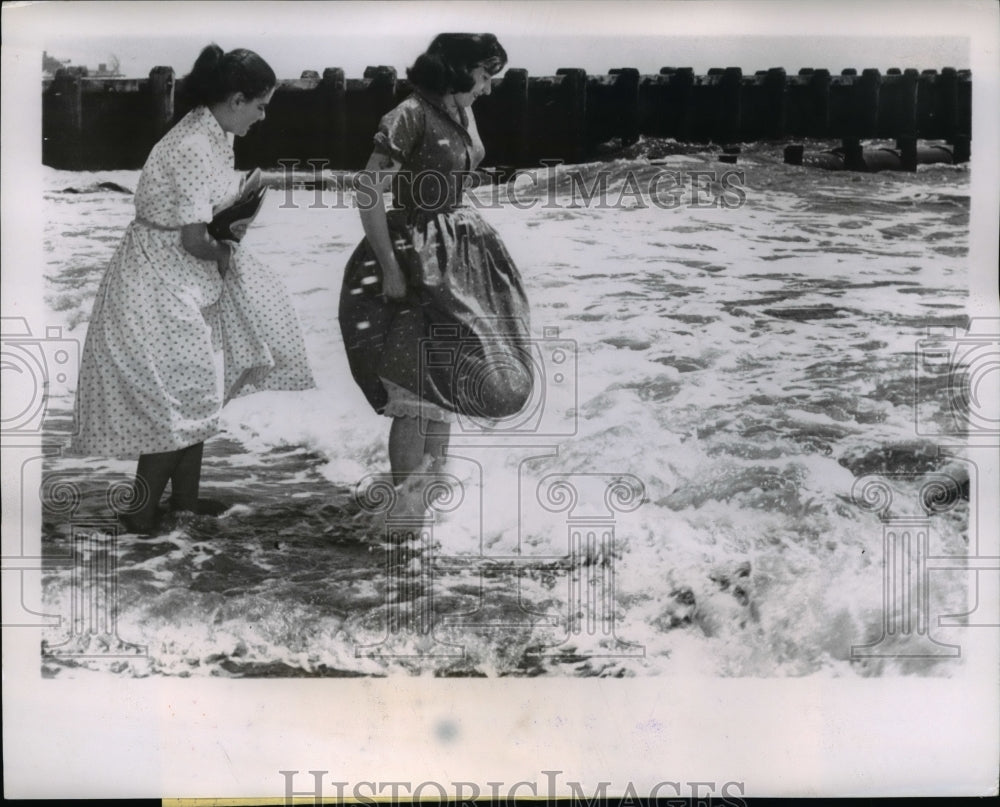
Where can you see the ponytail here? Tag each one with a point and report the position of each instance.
(216, 75)
(200, 83)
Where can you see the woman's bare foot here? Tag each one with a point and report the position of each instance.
(135, 525)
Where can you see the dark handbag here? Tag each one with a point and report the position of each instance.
(240, 212)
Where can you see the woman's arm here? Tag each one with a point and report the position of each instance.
(369, 186)
(196, 240)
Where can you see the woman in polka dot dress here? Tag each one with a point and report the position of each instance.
(433, 312)
(182, 322)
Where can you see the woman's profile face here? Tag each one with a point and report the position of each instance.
(248, 111)
(483, 86)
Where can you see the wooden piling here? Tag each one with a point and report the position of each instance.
(961, 148)
(819, 104)
(681, 122)
(774, 102)
(962, 139)
(964, 97)
(731, 105)
(161, 101)
(574, 103)
(603, 111)
(854, 159)
(705, 107)
(512, 97)
(626, 98)
(907, 147)
(293, 130)
(367, 101)
(516, 88)
(866, 96)
(382, 90)
(928, 124)
(947, 103)
(545, 123)
(112, 123)
(333, 88)
(794, 153)
(655, 103)
(842, 113)
(898, 114)
(62, 120)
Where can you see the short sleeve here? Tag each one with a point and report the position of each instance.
(400, 131)
(190, 166)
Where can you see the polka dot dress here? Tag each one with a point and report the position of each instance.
(169, 340)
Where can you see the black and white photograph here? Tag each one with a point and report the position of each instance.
(500, 400)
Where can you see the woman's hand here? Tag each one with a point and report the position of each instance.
(239, 229)
(196, 240)
(370, 185)
(224, 260)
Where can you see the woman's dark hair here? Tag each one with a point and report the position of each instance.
(447, 64)
(217, 75)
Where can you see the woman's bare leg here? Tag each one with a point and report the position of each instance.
(185, 484)
(152, 474)
(406, 447)
(411, 441)
(436, 442)
(185, 480)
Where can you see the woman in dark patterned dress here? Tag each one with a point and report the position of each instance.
(432, 310)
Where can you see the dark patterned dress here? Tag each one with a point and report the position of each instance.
(458, 343)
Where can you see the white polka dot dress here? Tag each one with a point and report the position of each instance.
(169, 340)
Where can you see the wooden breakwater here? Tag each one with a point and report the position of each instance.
(100, 123)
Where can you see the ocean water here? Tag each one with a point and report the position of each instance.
(716, 380)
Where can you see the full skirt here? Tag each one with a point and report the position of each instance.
(170, 342)
(460, 340)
